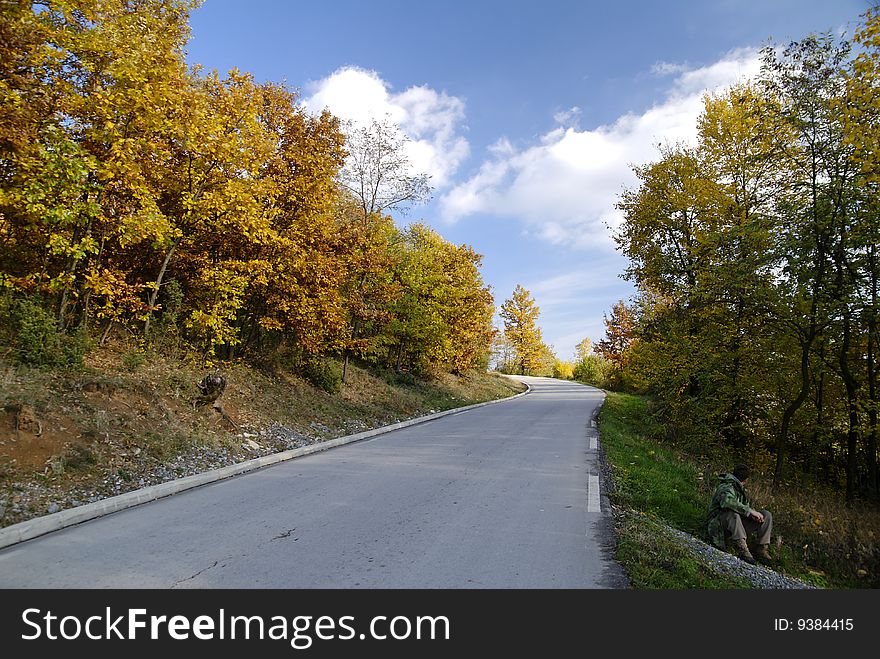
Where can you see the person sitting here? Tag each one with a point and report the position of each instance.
(731, 517)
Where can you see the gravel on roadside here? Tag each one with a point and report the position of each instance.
(722, 562)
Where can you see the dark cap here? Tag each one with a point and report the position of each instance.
(741, 471)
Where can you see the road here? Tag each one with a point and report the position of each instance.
(501, 496)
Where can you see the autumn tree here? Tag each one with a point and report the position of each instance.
(139, 192)
(582, 349)
(26, 65)
(296, 290)
(546, 361)
(619, 334)
(563, 370)
(370, 286)
(107, 72)
(520, 316)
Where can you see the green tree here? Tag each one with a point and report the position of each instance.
(592, 369)
(444, 317)
(754, 254)
(807, 79)
(860, 114)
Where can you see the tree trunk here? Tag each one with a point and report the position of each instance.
(790, 411)
(852, 435)
(155, 294)
(873, 476)
(69, 270)
(823, 466)
(106, 331)
(84, 321)
(872, 419)
(347, 352)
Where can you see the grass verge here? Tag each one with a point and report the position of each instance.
(655, 558)
(820, 540)
(652, 485)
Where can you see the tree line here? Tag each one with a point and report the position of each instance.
(755, 257)
(139, 192)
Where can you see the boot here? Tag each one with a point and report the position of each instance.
(763, 554)
(742, 550)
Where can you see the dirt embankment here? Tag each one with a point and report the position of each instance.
(69, 438)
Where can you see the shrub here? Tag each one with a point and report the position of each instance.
(36, 340)
(132, 361)
(324, 373)
(563, 370)
(165, 334)
(593, 370)
(77, 456)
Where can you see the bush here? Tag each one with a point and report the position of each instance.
(394, 377)
(563, 370)
(165, 334)
(132, 361)
(325, 374)
(77, 456)
(593, 370)
(36, 340)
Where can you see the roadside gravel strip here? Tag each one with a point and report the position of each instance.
(757, 575)
(46, 524)
(724, 563)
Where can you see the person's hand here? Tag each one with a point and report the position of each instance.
(755, 515)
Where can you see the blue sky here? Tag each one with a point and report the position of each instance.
(528, 115)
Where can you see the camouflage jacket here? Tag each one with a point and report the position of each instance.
(729, 495)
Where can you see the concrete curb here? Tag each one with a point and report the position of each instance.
(38, 526)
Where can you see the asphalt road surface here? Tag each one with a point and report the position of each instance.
(501, 496)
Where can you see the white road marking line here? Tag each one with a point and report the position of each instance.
(594, 443)
(593, 503)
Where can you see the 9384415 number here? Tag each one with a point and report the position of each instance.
(821, 624)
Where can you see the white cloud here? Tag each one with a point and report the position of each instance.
(432, 120)
(572, 303)
(564, 188)
(668, 68)
(568, 117)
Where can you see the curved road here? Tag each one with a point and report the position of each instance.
(501, 496)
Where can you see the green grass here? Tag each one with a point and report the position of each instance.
(655, 559)
(654, 486)
(817, 537)
(648, 477)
